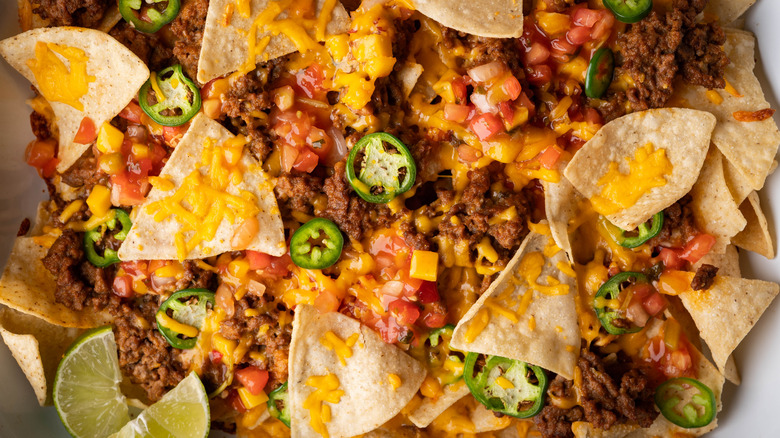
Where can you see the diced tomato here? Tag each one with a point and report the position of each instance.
(215, 356)
(540, 74)
(681, 359)
(433, 319)
(280, 266)
(506, 110)
(172, 134)
(327, 302)
(235, 401)
(309, 81)
(87, 132)
(486, 126)
(603, 27)
(578, 35)
(456, 113)
(257, 260)
(40, 152)
(124, 191)
(549, 158)
(585, 17)
(123, 286)
(405, 312)
(428, 292)
(697, 247)
(390, 330)
(132, 112)
(592, 116)
(306, 161)
(468, 154)
(460, 90)
(512, 87)
(319, 142)
(562, 46)
(654, 303)
(671, 259)
(636, 313)
(253, 378)
(289, 157)
(136, 269)
(537, 54)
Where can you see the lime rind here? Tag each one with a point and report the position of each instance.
(86, 387)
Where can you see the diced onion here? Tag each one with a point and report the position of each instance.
(486, 72)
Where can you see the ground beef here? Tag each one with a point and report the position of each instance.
(701, 56)
(81, 13)
(613, 391)
(483, 50)
(40, 126)
(704, 277)
(24, 227)
(80, 285)
(296, 191)
(679, 225)
(188, 29)
(144, 355)
(149, 47)
(270, 337)
(84, 173)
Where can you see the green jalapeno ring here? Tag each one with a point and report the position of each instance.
(611, 289)
(526, 398)
(379, 180)
(599, 73)
(699, 411)
(175, 97)
(279, 395)
(91, 237)
(645, 233)
(131, 9)
(326, 249)
(193, 314)
(629, 11)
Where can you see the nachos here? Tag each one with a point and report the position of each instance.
(436, 218)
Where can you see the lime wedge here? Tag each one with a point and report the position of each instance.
(86, 388)
(181, 413)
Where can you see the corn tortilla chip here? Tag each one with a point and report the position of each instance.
(727, 263)
(727, 311)
(429, 409)
(713, 206)
(727, 11)
(755, 236)
(561, 205)
(683, 134)
(731, 371)
(542, 332)
(487, 18)
(117, 71)
(37, 347)
(152, 240)
(226, 48)
(369, 400)
(27, 286)
(749, 146)
(738, 184)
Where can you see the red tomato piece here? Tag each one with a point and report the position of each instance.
(405, 312)
(87, 132)
(319, 142)
(235, 401)
(537, 54)
(697, 247)
(306, 161)
(433, 319)
(486, 126)
(215, 356)
(280, 266)
(124, 191)
(123, 286)
(540, 74)
(671, 259)
(578, 35)
(327, 301)
(257, 260)
(40, 152)
(654, 303)
(549, 158)
(428, 292)
(512, 87)
(586, 17)
(132, 112)
(309, 81)
(460, 89)
(456, 113)
(253, 378)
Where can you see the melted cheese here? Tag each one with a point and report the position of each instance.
(343, 349)
(57, 82)
(326, 390)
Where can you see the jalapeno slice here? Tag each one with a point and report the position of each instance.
(629, 11)
(277, 404)
(188, 310)
(507, 386)
(599, 73)
(169, 97)
(316, 244)
(386, 168)
(613, 320)
(97, 234)
(644, 232)
(149, 16)
(686, 402)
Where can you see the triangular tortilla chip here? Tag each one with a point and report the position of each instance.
(546, 332)
(561, 206)
(713, 206)
(37, 347)
(152, 240)
(755, 236)
(727, 311)
(429, 409)
(117, 71)
(749, 146)
(226, 47)
(738, 184)
(27, 286)
(369, 399)
(684, 135)
(467, 415)
(487, 18)
(727, 11)
(727, 263)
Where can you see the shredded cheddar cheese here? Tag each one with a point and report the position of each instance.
(56, 81)
(326, 390)
(343, 349)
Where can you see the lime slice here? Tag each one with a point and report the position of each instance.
(181, 413)
(86, 388)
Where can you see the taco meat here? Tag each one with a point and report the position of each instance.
(82, 13)
(188, 29)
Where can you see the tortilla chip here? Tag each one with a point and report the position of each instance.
(545, 334)
(226, 49)
(561, 205)
(584, 429)
(118, 74)
(485, 420)
(683, 134)
(27, 286)
(727, 311)
(738, 184)
(713, 206)
(487, 18)
(727, 11)
(755, 236)
(429, 409)
(408, 75)
(727, 263)
(369, 400)
(731, 371)
(749, 146)
(37, 347)
(152, 240)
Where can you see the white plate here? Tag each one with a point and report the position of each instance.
(749, 410)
